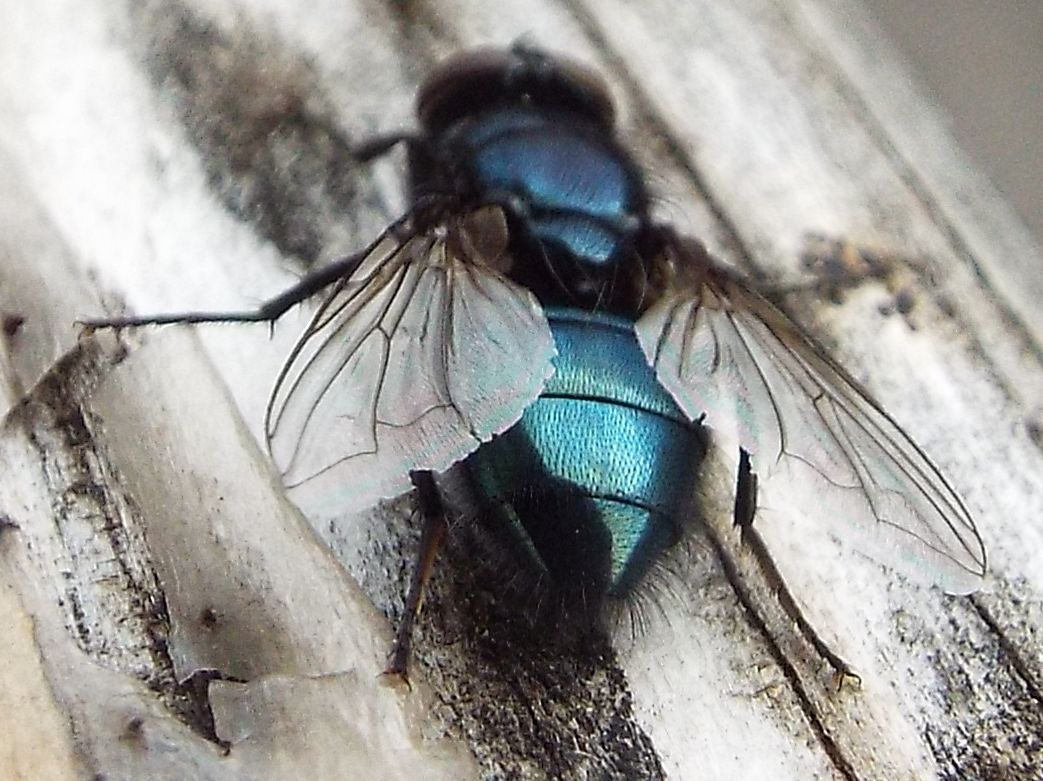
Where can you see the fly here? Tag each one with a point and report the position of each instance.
(528, 331)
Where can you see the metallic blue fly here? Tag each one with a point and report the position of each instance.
(529, 332)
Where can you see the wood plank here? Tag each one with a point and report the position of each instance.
(163, 600)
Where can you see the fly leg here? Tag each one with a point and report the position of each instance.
(745, 510)
(339, 270)
(378, 146)
(431, 537)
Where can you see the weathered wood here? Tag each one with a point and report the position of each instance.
(161, 600)
(191, 154)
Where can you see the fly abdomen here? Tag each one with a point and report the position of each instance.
(597, 478)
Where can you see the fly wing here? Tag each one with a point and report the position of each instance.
(725, 352)
(422, 354)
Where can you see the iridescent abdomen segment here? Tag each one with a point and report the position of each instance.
(598, 476)
(579, 194)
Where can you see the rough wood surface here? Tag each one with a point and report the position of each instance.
(167, 613)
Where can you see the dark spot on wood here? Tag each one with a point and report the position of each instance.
(945, 304)
(1035, 431)
(263, 127)
(209, 618)
(904, 301)
(134, 729)
(838, 266)
(11, 323)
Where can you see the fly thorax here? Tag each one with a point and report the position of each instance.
(573, 199)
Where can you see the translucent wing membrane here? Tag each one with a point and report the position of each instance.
(722, 350)
(425, 352)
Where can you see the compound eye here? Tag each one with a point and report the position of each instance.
(568, 82)
(482, 78)
(460, 84)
